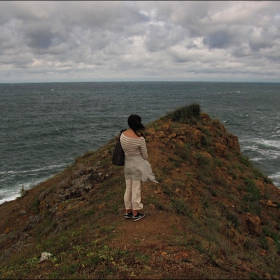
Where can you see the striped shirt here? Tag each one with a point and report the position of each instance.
(134, 146)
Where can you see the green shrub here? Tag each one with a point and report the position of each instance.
(250, 244)
(267, 180)
(254, 193)
(183, 152)
(212, 190)
(245, 160)
(275, 236)
(180, 206)
(233, 218)
(205, 176)
(263, 242)
(166, 190)
(158, 204)
(202, 159)
(254, 275)
(205, 200)
(186, 113)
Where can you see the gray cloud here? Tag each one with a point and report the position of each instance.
(217, 40)
(139, 40)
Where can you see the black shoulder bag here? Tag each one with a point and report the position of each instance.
(118, 153)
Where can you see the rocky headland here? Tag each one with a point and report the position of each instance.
(213, 214)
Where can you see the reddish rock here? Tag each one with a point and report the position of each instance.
(221, 149)
(254, 224)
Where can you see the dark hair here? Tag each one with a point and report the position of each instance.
(134, 122)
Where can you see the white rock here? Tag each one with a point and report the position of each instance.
(45, 256)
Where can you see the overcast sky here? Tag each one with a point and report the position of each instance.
(139, 41)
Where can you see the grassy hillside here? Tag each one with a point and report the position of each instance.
(213, 214)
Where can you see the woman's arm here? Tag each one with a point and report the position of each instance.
(143, 148)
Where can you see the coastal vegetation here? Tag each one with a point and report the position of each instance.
(213, 215)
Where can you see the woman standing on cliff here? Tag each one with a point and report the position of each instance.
(136, 169)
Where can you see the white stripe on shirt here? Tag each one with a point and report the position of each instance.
(134, 146)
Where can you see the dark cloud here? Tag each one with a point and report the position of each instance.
(217, 40)
(40, 39)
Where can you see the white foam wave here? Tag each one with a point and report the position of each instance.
(271, 143)
(9, 198)
(269, 149)
(262, 143)
(252, 148)
(45, 168)
(257, 159)
(8, 195)
(269, 154)
(275, 175)
(275, 178)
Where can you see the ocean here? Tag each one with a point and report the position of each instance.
(44, 126)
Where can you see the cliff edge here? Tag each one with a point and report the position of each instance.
(213, 214)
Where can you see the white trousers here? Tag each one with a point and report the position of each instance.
(132, 195)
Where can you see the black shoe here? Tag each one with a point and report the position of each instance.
(138, 217)
(128, 215)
